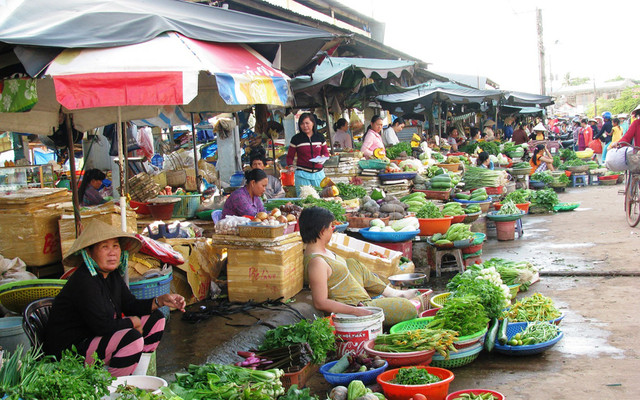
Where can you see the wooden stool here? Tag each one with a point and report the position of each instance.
(456, 253)
(580, 180)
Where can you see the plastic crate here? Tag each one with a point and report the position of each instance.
(187, 206)
(154, 287)
(300, 377)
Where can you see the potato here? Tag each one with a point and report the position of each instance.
(291, 218)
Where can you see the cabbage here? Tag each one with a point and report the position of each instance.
(400, 224)
(387, 229)
(375, 229)
(377, 223)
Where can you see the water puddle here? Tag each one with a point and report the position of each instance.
(585, 337)
(569, 245)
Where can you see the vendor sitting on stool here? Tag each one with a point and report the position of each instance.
(96, 312)
(88, 191)
(342, 286)
(246, 200)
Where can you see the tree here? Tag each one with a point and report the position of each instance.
(625, 103)
(569, 81)
(616, 79)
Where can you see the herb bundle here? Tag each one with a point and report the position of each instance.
(319, 335)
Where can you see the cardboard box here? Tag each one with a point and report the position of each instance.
(265, 273)
(348, 247)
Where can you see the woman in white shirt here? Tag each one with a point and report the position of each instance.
(390, 135)
(342, 138)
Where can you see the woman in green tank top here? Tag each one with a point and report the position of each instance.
(341, 286)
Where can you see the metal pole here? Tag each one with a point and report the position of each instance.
(194, 140)
(74, 179)
(123, 199)
(125, 146)
(543, 84)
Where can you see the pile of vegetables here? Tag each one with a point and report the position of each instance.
(476, 195)
(568, 154)
(348, 191)
(479, 396)
(476, 177)
(350, 363)
(290, 358)
(464, 315)
(509, 208)
(298, 394)
(397, 150)
(513, 272)
(574, 162)
(533, 308)
(545, 199)
(415, 201)
(429, 210)
(593, 165)
(486, 284)
(440, 340)
(32, 375)
(521, 165)
(409, 224)
(519, 196)
(490, 147)
(411, 165)
(415, 376)
(356, 391)
(454, 233)
(219, 381)
(544, 177)
(453, 209)
(390, 207)
(452, 160)
(441, 182)
(318, 334)
(535, 332)
(562, 179)
(472, 209)
(435, 170)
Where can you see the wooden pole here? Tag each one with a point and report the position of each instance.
(194, 141)
(122, 169)
(125, 146)
(74, 179)
(326, 113)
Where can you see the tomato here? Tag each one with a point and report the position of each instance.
(419, 396)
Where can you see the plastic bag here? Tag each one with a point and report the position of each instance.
(12, 270)
(617, 159)
(145, 140)
(596, 146)
(161, 251)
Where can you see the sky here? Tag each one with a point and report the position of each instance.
(498, 38)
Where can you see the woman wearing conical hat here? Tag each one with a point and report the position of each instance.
(96, 312)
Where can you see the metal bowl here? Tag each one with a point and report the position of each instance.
(408, 280)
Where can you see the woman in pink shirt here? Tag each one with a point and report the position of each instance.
(372, 139)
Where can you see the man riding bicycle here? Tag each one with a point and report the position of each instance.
(632, 186)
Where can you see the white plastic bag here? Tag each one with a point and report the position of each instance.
(617, 159)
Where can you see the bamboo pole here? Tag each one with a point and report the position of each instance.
(74, 179)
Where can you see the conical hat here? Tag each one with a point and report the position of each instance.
(489, 123)
(97, 231)
(539, 127)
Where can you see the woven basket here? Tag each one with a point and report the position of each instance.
(438, 300)
(299, 378)
(16, 296)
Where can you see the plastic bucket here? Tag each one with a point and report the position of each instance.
(12, 334)
(506, 230)
(352, 331)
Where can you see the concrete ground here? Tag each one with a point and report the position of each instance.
(590, 268)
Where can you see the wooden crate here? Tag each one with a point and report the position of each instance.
(265, 273)
(31, 234)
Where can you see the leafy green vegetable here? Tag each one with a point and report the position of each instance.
(568, 154)
(469, 148)
(508, 208)
(216, 381)
(545, 199)
(298, 394)
(574, 162)
(429, 210)
(335, 207)
(557, 162)
(348, 191)
(519, 196)
(415, 376)
(394, 151)
(464, 315)
(490, 147)
(492, 297)
(544, 177)
(319, 335)
(563, 179)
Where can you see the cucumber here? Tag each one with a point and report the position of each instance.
(462, 196)
(436, 237)
(490, 339)
(502, 335)
(442, 242)
(440, 185)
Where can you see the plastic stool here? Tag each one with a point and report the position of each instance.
(456, 253)
(519, 229)
(594, 179)
(580, 180)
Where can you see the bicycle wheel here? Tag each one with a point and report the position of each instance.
(632, 202)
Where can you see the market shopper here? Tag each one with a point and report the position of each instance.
(274, 188)
(616, 131)
(372, 139)
(305, 146)
(88, 191)
(604, 134)
(341, 138)
(390, 135)
(96, 312)
(538, 132)
(246, 200)
(519, 135)
(342, 286)
(633, 133)
(541, 160)
(585, 134)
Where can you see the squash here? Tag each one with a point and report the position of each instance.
(379, 153)
(326, 182)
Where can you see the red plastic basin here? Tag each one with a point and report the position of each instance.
(431, 226)
(497, 395)
(433, 391)
(162, 211)
(140, 208)
(400, 359)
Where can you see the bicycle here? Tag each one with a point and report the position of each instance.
(632, 188)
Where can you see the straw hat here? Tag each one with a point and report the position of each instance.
(95, 232)
(489, 123)
(508, 120)
(539, 127)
